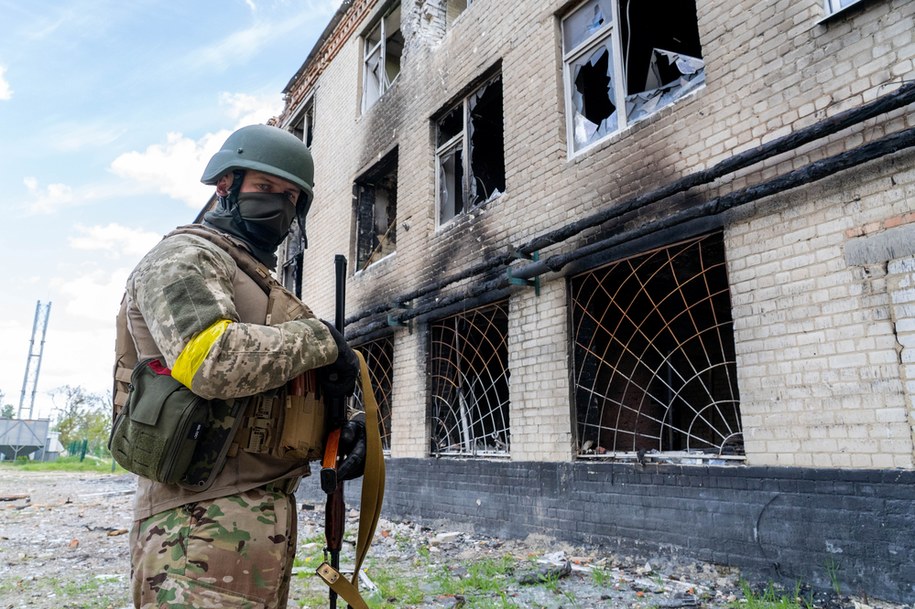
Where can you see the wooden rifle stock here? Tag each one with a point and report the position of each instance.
(335, 508)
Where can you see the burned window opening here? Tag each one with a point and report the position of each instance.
(294, 259)
(471, 152)
(655, 364)
(645, 62)
(379, 359)
(383, 51)
(469, 383)
(376, 212)
(303, 125)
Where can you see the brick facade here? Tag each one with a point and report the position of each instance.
(820, 275)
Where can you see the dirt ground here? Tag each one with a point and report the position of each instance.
(63, 545)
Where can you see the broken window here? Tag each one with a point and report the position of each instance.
(291, 273)
(470, 152)
(655, 372)
(625, 60)
(379, 359)
(302, 125)
(376, 212)
(469, 383)
(383, 50)
(454, 8)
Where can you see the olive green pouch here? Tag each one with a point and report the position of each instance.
(158, 429)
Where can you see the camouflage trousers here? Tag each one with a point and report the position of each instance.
(234, 552)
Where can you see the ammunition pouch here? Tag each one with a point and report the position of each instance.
(287, 424)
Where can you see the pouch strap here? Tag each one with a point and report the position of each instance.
(372, 497)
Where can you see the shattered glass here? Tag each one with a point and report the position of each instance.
(593, 96)
(451, 125)
(670, 77)
(450, 184)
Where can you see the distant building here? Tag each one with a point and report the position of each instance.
(23, 438)
(631, 273)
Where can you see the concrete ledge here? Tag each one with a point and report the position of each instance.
(891, 244)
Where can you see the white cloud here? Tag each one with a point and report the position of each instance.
(49, 198)
(6, 92)
(173, 168)
(248, 109)
(114, 239)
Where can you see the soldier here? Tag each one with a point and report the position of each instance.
(226, 535)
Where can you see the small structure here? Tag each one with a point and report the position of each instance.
(22, 437)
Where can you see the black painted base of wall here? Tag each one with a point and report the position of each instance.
(775, 524)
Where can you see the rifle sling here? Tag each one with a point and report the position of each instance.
(372, 497)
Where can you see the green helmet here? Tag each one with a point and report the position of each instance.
(266, 149)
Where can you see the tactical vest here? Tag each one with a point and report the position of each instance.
(286, 423)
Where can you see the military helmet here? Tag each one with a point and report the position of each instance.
(268, 150)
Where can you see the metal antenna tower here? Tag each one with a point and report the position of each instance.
(42, 312)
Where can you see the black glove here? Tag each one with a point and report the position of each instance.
(352, 444)
(338, 380)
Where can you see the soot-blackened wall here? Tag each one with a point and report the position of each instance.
(781, 524)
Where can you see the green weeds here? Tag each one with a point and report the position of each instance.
(771, 599)
(66, 464)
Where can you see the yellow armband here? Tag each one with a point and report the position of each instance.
(191, 357)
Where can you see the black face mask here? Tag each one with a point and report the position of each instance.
(265, 218)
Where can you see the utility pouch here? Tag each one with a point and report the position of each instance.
(303, 425)
(287, 424)
(157, 431)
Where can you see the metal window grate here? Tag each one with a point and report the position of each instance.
(379, 357)
(469, 383)
(654, 356)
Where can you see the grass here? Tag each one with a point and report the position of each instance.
(832, 570)
(487, 576)
(65, 464)
(771, 599)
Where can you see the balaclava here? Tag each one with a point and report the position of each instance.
(260, 220)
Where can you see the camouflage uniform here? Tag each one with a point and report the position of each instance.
(180, 555)
(232, 544)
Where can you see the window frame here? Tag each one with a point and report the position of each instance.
(450, 19)
(461, 142)
(369, 180)
(304, 114)
(834, 7)
(609, 36)
(369, 49)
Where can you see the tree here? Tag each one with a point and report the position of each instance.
(7, 411)
(84, 415)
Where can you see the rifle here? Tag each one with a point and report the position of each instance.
(335, 509)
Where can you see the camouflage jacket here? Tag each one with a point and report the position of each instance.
(181, 288)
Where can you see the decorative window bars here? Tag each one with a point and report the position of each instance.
(379, 358)
(469, 383)
(654, 372)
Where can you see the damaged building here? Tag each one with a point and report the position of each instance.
(638, 274)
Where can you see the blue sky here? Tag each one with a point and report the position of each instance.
(109, 111)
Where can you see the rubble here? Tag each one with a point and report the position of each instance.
(55, 553)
